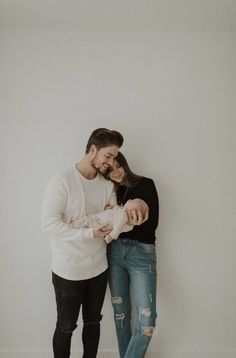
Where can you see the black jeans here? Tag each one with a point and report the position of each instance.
(69, 297)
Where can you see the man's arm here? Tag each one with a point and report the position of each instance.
(100, 223)
(54, 204)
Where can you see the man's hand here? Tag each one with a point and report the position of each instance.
(135, 217)
(100, 232)
(108, 238)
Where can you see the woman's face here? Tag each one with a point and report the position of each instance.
(117, 173)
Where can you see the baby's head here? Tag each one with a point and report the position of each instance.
(139, 205)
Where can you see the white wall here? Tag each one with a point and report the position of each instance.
(172, 95)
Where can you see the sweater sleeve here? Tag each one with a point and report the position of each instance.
(53, 208)
(151, 197)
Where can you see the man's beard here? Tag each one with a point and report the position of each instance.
(99, 170)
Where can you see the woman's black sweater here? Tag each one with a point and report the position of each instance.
(145, 190)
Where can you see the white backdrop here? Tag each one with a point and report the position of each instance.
(172, 95)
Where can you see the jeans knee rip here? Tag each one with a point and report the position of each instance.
(148, 331)
(119, 316)
(117, 300)
(145, 312)
(150, 269)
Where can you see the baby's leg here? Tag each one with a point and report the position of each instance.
(120, 219)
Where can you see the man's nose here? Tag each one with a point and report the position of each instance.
(110, 161)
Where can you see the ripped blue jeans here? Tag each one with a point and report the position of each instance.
(132, 280)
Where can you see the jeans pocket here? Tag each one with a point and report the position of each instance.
(147, 250)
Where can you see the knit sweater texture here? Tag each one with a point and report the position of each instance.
(76, 254)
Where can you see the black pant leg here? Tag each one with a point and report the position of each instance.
(93, 299)
(69, 296)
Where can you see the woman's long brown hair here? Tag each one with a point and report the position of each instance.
(130, 179)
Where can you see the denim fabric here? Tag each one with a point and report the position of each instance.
(132, 270)
(70, 295)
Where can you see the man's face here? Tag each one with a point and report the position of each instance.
(103, 158)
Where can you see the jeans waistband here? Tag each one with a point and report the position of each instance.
(131, 241)
(126, 239)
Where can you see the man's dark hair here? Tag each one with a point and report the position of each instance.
(103, 137)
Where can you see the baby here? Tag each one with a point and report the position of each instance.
(115, 216)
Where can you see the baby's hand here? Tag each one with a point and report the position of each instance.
(72, 222)
(108, 206)
(69, 221)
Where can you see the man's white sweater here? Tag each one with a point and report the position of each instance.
(76, 254)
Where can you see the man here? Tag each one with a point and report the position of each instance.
(79, 264)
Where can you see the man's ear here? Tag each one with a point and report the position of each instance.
(93, 150)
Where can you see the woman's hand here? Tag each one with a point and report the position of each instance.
(136, 217)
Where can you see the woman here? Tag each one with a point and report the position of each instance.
(132, 265)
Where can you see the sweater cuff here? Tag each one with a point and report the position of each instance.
(88, 234)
